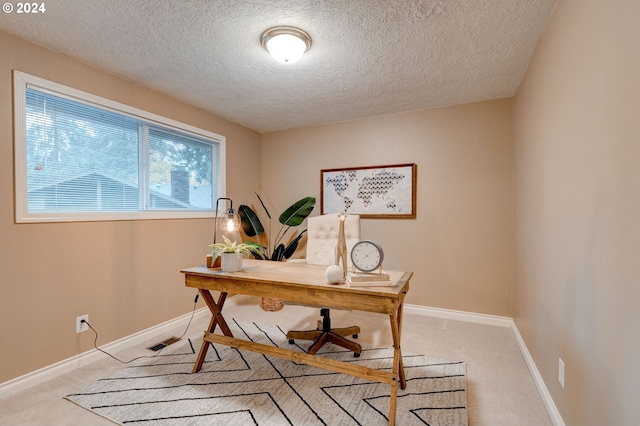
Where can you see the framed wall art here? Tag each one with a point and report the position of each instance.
(371, 191)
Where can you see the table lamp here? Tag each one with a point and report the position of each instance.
(230, 222)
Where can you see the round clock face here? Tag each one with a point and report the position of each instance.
(366, 255)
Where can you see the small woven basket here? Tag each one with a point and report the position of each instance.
(270, 304)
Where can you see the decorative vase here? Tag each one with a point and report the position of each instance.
(231, 262)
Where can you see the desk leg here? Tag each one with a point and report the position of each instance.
(403, 381)
(216, 319)
(398, 364)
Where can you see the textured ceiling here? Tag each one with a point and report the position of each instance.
(368, 58)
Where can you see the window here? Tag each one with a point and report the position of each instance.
(81, 157)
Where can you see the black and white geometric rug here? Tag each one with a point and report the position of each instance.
(246, 388)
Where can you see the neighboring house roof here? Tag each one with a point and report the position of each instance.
(85, 186)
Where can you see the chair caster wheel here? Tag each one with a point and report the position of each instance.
(291, 341)
(355, 336)
(356, 355)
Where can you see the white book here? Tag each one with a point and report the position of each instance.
(368, 279)
(367, 276)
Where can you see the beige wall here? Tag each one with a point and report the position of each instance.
(123, 274)
(460, 246)
(577, 186)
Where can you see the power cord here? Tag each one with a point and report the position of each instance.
(95, 340)
(195, 302)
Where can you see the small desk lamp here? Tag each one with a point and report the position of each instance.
(230, 221)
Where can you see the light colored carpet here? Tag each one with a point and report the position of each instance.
(241, 388)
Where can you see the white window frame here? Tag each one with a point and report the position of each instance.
(23, 80)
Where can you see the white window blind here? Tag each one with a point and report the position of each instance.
(86, 158)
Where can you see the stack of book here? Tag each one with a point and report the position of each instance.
(368, 279)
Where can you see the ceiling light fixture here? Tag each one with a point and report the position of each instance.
(286, 44)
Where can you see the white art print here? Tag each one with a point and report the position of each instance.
(377, 191)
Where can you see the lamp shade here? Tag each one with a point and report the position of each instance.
(230, 221)
(286, 44)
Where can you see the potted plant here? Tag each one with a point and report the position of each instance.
(293, 216)
(231, 253)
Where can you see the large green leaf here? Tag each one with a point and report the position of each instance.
(298, 212)
(278, 253)
(251, 224)
(293, 245)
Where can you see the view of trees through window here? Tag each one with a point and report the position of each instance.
(85, 158)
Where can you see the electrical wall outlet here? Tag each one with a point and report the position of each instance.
(561, 372)
(82, 326)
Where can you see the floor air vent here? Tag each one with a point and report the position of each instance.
(164, 344)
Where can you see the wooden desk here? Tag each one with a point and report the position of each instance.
(305, 284)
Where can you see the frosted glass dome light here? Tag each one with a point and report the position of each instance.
(286, 44)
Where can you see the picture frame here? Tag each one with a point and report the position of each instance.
(384, 192)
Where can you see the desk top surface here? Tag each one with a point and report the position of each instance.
(295, 274)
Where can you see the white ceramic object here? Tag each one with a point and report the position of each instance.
(333, 274)
(231, 262)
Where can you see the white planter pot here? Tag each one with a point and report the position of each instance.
(231, 262)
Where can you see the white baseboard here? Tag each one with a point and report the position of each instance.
(65, 366)
(459, 315)
(552, 410)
